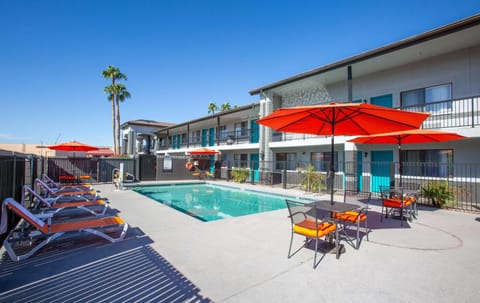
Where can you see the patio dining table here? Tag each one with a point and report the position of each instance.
(331, 208)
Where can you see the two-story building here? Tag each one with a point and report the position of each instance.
(437, 71)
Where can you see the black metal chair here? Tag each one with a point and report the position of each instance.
(395, 199)
(310, 223)
(356, 217)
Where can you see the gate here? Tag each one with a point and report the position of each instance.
(107, 165)
(148, 167)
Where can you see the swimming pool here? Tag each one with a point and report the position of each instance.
(208, 202)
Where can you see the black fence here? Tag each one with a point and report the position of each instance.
(460, 183)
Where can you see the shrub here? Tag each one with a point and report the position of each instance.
(438, 192)
(240, 175)
(314, 181)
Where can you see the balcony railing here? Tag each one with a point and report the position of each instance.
(240, 136)
(446, 114)
(452, 113)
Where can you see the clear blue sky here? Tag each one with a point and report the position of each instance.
(178, 55)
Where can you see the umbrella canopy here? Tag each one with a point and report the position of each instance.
(203, 151)
(407, 137)
(73, 146)
(346, 119)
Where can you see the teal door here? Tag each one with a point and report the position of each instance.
(212, 164)
(359, 171)
(254, 166)
(253, 131)
(204, 137)
(385, 100)
(381, 166)
(211, 137)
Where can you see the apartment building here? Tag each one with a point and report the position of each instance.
(437, 71)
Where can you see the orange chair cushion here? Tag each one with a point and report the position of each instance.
(308, 228)
(396, 203)
(351, 216)
(92, 223)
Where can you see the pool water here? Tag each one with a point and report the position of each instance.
(208, 202)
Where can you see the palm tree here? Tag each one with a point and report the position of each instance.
(121, 93)
(113, 73)
(212, 107)
(226, 106)
(117, 92)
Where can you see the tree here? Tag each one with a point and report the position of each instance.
(121, 93)
(113, 73)
(226, 106)
(212, 107)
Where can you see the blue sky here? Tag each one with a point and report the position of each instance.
(178, 55)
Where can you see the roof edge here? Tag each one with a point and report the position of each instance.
(404, 43)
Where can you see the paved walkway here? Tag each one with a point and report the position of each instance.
(169, 255)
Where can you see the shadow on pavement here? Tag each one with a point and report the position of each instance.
(88, 269)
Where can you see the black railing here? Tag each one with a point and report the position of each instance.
(452, 113)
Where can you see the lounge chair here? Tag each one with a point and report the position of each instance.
(75, 192)
(49, 181)
(38, 230)
(54, 205)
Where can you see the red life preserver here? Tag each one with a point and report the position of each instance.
(189, 165)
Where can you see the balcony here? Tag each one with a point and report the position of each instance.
(448, 114)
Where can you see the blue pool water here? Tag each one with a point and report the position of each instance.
(208, 202)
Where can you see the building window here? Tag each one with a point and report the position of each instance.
(222, 133)
(427, 98)
(427, 163)
(240, 160)
(286, 161)
(184, 139)
(241, 129)
(196, 136)
(321, 161)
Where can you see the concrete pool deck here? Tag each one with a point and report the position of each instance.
(244, 259)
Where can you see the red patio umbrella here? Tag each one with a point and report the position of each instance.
(346, 119)
(407, 137)
(73, 146)
(203, 151)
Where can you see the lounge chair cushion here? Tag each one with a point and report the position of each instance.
(91, 223)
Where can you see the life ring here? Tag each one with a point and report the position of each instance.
(189, 165)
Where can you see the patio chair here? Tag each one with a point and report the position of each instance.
(395, 200)
(54, 206)
(356, 217)
(37, 231)
(412, 190)
(311, 227)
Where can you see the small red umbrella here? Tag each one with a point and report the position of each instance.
(73, 146)
(203, 151)
(407, 137)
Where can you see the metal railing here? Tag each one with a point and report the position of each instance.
(452, 113)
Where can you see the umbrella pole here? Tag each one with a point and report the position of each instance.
(332, 171)
(400, 166)
(332, 157)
